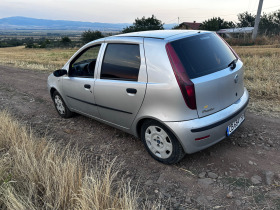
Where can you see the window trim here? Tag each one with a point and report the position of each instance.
(78, 56)
(120, 79)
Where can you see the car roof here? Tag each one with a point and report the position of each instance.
(161, 34)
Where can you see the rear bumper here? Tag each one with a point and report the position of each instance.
(214, 125)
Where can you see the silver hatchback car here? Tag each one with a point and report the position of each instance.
(180, 91)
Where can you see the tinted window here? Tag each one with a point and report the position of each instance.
(203, 54)
(121, 61)
(84, 64)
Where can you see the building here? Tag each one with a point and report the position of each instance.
(191, 25)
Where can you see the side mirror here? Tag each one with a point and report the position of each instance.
(59, 72)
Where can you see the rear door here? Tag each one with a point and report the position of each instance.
(206, 58)
(120, 88)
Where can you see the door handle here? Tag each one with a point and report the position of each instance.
(87, 86)
(131, 90)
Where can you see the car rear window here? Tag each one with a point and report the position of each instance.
(203, 54)
(121, 62)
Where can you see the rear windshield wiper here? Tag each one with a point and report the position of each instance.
(232, 64)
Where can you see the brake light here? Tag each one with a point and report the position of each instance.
(184, 82)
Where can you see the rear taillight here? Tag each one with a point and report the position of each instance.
(184, 82)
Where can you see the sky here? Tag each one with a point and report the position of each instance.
(125, 11)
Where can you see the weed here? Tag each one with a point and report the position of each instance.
(238, 182)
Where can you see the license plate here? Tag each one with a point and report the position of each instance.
(232, 127)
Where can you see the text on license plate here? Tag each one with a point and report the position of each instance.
(232, 127)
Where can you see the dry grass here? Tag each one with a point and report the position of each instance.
(39, 59)
(247, 40)
(38, 174)
(262, 77)
(262, 69)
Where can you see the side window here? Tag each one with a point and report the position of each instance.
(84, 64)
(121, 62)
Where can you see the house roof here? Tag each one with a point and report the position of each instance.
(192, 25)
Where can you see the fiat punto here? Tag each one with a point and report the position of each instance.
(179, 91)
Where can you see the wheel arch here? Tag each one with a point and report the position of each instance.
(52, 90)
(178, 152)
(141, 121)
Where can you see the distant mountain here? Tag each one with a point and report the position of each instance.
(25, 23)
(169, 26)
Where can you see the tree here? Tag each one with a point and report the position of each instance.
(65, 40)
(246, 20)
(144, 24)
(88, 36)
(215, 24)
(269, 23)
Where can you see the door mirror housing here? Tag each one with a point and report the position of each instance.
(59, 72)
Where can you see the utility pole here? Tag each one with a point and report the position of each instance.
(178, 21)
(257, 21)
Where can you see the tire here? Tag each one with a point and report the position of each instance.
(60, 106)
(161, 143)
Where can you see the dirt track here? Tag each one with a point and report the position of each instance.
(230, 166)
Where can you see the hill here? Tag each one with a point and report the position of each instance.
(26, 23)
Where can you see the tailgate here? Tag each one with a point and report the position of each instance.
(218, 90)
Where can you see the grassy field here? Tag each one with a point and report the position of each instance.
(262, 77)
(262, 70)
(38, 59)
(40, 174)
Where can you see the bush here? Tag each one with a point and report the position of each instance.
(89, 36)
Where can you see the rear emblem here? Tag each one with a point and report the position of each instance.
(236, 78)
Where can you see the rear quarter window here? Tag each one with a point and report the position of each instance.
(203, 54)
(121, 62)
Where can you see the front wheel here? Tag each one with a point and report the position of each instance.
(161, 143)
(60, 106)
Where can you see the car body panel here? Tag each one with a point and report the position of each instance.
(115, 104)
(78, 97)
(218, 90)
(182, 129)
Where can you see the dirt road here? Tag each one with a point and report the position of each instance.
(241, 172)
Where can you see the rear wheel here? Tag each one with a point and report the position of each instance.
(161, 143)
(60, 106)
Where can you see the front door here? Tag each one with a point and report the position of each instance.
(121, 86)
(78, 86)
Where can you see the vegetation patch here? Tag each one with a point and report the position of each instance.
(39, 174)
(262, 76)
